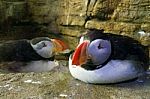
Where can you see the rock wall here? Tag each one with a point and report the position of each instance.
(74, 17)
(12, 10)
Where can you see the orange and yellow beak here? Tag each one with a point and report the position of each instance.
(59, 46)
(80, 55)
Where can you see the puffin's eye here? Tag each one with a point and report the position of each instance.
(43, 44)
(100, 46)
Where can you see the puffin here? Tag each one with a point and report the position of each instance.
(106, 58)
(35, 55)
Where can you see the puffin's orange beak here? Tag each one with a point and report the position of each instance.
(59, 46)
(80, 55)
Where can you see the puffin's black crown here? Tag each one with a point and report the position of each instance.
(38, 39)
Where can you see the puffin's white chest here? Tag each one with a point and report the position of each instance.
(39, 66)
(114, 71)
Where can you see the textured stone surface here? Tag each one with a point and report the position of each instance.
(31, 18)
(75, 12)
(73, 17)
(14, 9)
(103, 9)
(65, 12)
(59, 84)
(133, 11)
(110, 26)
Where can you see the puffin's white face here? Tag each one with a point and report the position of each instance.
(46, 47)
(98, 51)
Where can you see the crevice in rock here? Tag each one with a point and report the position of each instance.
(87, 17)
(88, 3)
(74, 26)
(94, 4)
(68, 35)
(88, 13)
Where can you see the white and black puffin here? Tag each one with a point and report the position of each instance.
(105, 58)
(35, 55)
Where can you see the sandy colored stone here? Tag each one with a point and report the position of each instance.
(67, 12)
(145, 27)
(122, 28)
(73, 20)
(112, 26)
(72, 31)
(75, 13)
(134, 11)
(59, 84)
(103, 9)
